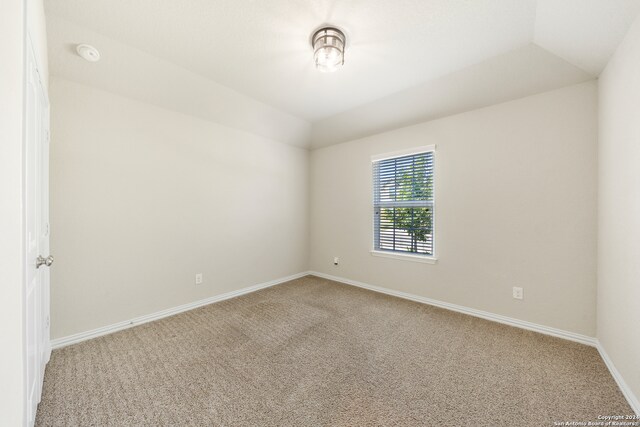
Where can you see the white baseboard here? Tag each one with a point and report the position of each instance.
(624, 388)
(572, 336)
(83, 336)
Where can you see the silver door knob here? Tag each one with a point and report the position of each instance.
(44, 261)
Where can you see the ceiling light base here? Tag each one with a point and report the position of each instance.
(328, 48)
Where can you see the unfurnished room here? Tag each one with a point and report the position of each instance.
(319, 213)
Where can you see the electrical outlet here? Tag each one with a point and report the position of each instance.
(518, 293)
(336, 260)
(199, 279)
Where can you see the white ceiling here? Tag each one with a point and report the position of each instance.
(516, 74)
(136, 74)
(584, 32)
(259, 50)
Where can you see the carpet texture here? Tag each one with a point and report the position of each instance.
(313, 352)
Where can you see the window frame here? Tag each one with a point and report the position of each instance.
(408, 256)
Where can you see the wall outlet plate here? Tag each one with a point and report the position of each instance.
(518, 293)
(199, 279)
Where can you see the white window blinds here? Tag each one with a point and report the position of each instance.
(404, 204)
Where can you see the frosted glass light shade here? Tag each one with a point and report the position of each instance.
(328, 49)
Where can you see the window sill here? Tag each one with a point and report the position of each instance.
(414, 258)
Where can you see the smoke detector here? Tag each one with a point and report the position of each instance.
(88, 52)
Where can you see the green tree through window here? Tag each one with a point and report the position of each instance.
(403, 204)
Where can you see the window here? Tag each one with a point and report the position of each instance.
(403, 203)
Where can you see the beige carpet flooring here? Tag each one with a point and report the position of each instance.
(312, 352)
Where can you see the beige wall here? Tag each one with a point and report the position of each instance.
(144, 198)
(515, 206)
(619, 210)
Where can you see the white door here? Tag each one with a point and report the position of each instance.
(37, 234)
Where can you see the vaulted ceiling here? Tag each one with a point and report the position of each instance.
(248, 63)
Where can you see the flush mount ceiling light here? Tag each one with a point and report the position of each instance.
(88, 52)
(328, 48)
